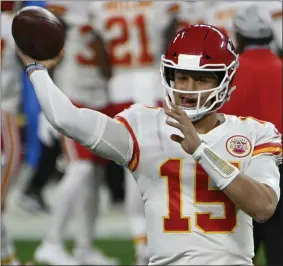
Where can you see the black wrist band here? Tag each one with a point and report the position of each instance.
(33, 66)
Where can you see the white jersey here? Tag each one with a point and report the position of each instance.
(78, 75)
(133, 32)
(10, 67)
(190, 221)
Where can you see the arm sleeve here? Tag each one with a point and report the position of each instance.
(266, 156)
(268, 142)
(94, 130)
(264, 169)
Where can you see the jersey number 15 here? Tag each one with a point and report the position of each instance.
(176, 222)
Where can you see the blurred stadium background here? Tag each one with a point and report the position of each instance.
(27, 228)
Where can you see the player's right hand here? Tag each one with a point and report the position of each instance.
(191, 141)
(50, 63)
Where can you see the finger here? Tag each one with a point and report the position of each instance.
(177, 108)
(21, 54)
(172, 114)
(24, 58)
(18, 50)
(62, 52)
(50, 63)
(60, 55)
(183, 117)
(176, 138)
(176, 125)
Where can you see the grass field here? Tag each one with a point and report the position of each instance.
(121, 249)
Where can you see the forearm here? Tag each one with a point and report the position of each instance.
(92, 129)
(61, 113)
(252, 197)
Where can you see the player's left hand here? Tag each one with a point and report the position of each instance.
(191, 141)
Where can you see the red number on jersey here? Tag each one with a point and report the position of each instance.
(127, 59)
(3, 46)
(175, 221)
(204, 194)
(120, 22)
(145, 56)
(81, 58)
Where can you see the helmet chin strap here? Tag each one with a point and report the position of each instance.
(193, 114)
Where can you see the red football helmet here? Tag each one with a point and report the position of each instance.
(200, 47)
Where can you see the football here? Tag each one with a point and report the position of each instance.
(38, 33)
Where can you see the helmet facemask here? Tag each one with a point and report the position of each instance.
(217, 96)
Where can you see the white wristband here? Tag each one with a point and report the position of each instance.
(220, 171)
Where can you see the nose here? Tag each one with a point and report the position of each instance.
(190, 84)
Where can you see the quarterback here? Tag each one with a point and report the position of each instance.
(203, 176)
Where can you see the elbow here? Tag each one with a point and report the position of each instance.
(64, 117)
(62, 124)
(264, 213)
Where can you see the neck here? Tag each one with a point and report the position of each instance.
(207, 123)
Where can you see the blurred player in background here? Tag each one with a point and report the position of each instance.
(221, 13)
(10, 139)
(259, 78)
(275, 10)
(31, 110)
(199, 206)
(31, 195)
(83, 75)
(135, 33)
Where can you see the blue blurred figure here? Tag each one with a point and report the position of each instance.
(31, 111)
(35, 3)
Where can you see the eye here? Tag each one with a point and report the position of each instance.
(202, 79)
(181, 77)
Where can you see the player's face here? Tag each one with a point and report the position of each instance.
(193, 81)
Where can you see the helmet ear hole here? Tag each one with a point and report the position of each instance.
(169, 74)
(220, 75)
